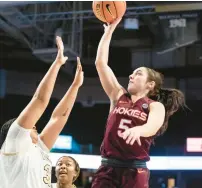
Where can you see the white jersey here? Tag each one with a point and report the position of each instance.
(22, 163)
(54, 185)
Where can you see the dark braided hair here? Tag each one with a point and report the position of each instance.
(77, 168)
(4, 130)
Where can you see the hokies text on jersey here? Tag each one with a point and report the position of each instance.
(131, 113)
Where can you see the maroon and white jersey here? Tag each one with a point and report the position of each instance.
(125, 115)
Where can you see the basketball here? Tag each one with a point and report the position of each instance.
(108, 11)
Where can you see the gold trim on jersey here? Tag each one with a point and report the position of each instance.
(9, 154)
(73, 186)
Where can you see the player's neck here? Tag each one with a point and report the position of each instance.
(136, 97)
(59, 185)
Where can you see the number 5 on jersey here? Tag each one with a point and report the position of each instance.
(123, 126)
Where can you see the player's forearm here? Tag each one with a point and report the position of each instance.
(65, 106)
(59, 117)
(147, 130)
(45, 88)
(103, 49)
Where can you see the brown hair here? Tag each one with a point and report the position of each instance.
(172, 99)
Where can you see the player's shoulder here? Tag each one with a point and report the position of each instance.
(146, 104)
(156, 104)
(42, 145)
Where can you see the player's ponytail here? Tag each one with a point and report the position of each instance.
(172, 99)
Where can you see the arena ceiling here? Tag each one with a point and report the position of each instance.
(28, 29)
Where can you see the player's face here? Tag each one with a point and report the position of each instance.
(138, 81)
(65, 170)
(34, 135)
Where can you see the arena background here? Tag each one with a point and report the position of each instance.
(165, 36)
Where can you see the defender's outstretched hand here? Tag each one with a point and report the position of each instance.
(61, 59)
(79, 75)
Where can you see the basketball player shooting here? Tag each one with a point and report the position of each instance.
(24, 159)
(137, 115)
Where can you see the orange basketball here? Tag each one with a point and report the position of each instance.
(108, 11)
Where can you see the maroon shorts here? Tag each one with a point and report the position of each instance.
(113, 177)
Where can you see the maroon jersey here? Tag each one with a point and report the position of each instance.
(126, 114)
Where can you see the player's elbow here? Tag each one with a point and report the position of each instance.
(155, 129)
(99, 63)
(42, 100)
(58, 121)
(150, 133)
(41, 103)
(153, 132)
(58, 116)
(150, 130)
(101, 67)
